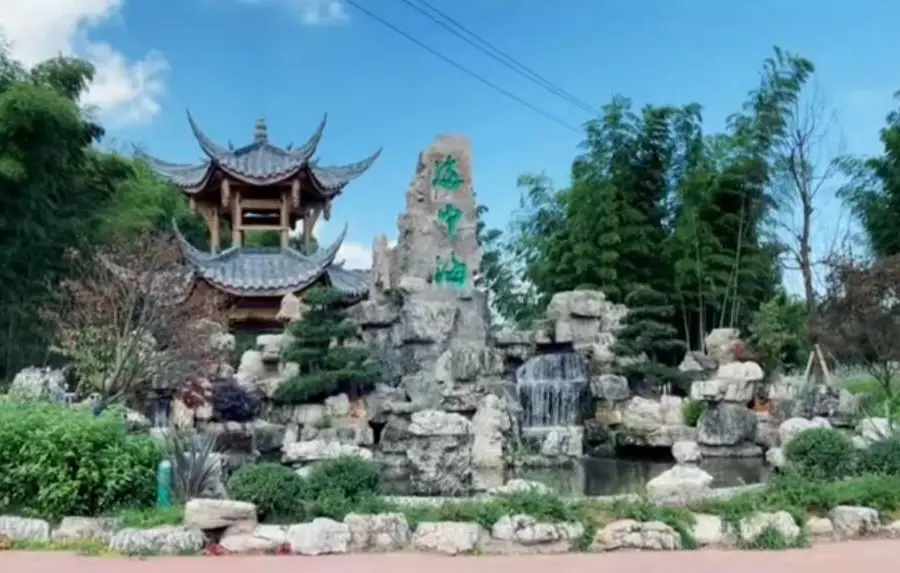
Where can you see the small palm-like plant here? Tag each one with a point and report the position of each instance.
(196, 468)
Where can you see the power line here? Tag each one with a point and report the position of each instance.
(460, 31)
(463, 68)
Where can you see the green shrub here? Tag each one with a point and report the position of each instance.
(692, 411)
(56, 461)
(350, 476)
(822, 452)
(277, 491)
(882, 457)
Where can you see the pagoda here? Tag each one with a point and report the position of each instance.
(261, 187)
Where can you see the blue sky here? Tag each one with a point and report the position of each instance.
(231, 61)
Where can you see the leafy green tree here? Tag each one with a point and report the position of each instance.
(326, 349)
(778, 333)
(648, 345)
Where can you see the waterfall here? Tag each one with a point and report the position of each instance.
(549, 388)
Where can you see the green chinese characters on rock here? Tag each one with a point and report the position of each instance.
(447, 175)
(450, 215)
(451, 273)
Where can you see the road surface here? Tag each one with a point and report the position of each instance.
(870, 556)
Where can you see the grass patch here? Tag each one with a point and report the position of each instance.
(86, 547)
(145, 518)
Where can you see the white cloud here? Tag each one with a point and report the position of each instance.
(123, 92)
(312, 12)
(354, 255)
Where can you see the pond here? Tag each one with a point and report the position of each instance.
(612, 476)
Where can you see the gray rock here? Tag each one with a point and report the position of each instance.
(261, 539)
(793, 426)
(380, 532)
(631, 534)
(517, 532)
(610, 387)
(679, 486)
(775, 457)
(710, 531)
(726, 424)
(854, 521)
(33, 383)
(750, 528)
(203, 513)
(491, 428)
(320, 537)
(820, 527)
(449, 537)
(76, 528)
(24, 529)
(318, 450)
(515, 486)
(686, 452)
(720, 342)
(164, 540)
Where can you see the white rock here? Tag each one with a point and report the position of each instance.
(686, 452)
(709, 530)
(752, 527)
(337, 406)
(793, 426)
(164, 540)
(449, 537)
(438, 423)
(820, 526)
(521, 486)
(380, 532)
(320, 449)
(526, 531)
(775, 457)
(261, 539)
(631, 534)
(77, 528)
(24, 529)
(876, 429)
(319, 537)
(490, 426)
(681, 485)
(205, 513)
(854, 521)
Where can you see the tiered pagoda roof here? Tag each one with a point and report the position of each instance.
(260, 163)
(272, 271)
(265, 271)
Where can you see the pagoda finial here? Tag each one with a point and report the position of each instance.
(262, 135)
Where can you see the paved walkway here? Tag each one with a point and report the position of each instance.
(869, 556)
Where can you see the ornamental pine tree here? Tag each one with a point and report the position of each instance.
(325, 346)
(647, 332)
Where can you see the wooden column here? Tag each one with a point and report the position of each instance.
(215, 240)
(285, 221)
(309, 223)
(237, 228)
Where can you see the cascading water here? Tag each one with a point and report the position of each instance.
(549, 387)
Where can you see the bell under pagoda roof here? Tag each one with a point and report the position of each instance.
(260, 163)
(271, 271)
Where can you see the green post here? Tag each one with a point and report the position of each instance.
(164, 484)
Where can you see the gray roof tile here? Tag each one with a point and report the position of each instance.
(260, 163)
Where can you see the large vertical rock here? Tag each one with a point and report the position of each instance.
(437, 240)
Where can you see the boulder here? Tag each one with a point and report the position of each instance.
(631, 534)
(686, 452)
(752, 527)
(262, 539)
(24, 529)
(163, 540)
(710, 531)
(76, 528)
(726, 424)
(610, 387)
(205, 514)
(321, 536)
(720, 344)
(854, 521)
(491, 426)
(523, 532)
(679, 486)
(793, 426)
(449, 537)
(33, 383)
(380, 532)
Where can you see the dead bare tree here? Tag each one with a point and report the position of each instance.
(807, 168)
(129, 324)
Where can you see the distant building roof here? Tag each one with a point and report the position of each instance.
(260, 163)
(272, 271)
